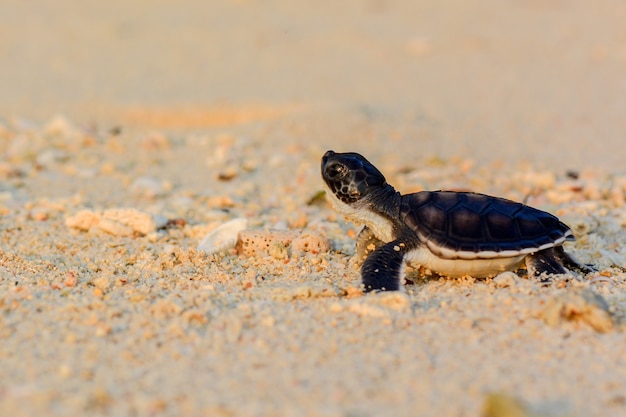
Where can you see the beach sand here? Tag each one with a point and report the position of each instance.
(130, 131)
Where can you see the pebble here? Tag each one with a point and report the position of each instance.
(118, 221)
(394, 300)
(83, 220)
(259, 242)
(59, 125)
(506, 279)
(137, 221)
(276, 242)
(579, 305)
(381, 305)
(311, 242)
(115, 228)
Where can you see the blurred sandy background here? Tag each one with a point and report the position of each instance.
(510, 79)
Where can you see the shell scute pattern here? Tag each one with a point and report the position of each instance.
(499, 226)
(471, 222)
(464, 223)
(433, 216)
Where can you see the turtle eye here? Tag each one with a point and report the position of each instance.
(335, 171)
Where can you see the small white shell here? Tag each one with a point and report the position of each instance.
(223, 237)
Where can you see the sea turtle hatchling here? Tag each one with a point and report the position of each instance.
(451, 233)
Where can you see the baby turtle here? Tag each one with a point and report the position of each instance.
(451, 233)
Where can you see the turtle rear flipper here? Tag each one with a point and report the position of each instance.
(544, 263)
(553, 261)
(383, 268)
(572, 263)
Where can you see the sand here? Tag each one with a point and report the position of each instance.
(130, 131)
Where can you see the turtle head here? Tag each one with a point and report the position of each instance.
(350, 176)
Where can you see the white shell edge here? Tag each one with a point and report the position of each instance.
(447, 253)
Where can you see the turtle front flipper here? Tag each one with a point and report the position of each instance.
(383, 268)
(366, 243)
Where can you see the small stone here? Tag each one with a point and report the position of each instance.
(311, 242)
(119, 221)
(394, 300)
(228, 173)
(162, 222)
(59, 125)
(115, 228)
(70, 279)
(505, 279)
(278, 250)
(258, 242)
(83, 220)
(579, 305)
(101, 282)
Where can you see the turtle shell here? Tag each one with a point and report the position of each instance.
(458, 225)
